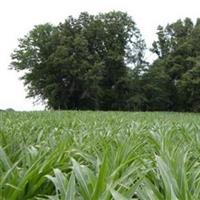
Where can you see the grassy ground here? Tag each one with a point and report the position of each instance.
(99, 156)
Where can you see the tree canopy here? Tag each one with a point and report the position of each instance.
(97, 62)
(81, 63)
(178, 53)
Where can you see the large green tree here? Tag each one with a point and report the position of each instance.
(83, 63)
(97, 62)
(178, 54)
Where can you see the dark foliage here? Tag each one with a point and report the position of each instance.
(97, 62)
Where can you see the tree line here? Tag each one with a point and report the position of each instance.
(97, 62)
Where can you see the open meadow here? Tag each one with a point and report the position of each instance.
(76, 155)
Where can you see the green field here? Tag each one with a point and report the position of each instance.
(99, 156)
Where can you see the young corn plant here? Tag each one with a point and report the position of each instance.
(99, 156)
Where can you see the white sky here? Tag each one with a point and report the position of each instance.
(17, 17)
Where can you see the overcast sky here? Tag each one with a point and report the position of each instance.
(17, 17)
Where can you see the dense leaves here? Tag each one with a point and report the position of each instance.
(99, 156)
(81, 63)
(178, 50)
(97, 62)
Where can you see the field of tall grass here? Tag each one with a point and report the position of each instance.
(99, 156)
